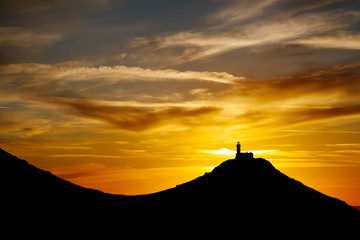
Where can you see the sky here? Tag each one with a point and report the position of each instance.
(134, 97)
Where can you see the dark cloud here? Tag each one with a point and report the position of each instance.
(314, 114)
(37, 5)
(299, 6)
(6, 121)
(77, 174)
(343, 80)
(134, 118)
(275, 118)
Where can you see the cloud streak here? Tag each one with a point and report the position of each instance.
(21, 37)
(71, 71)
(279, 30)
(135, 118)
(342, 40)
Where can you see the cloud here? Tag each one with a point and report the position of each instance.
(341, 40)
(20, 123)
(135, 118)
(316, 114)
(308, 88)
(76, 89)
(310, 97)
(296, 7)
(25, 6)
(240, 11)
(21, 37)
(299, 99)
(80, 170)
(204, 43)
(73, 71)
(201, 93)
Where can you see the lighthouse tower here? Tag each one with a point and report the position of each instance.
(238, 150)
(242, 156)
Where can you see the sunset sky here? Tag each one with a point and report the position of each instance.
(137, 96)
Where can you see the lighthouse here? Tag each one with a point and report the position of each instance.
(238, 148)
(242, 156)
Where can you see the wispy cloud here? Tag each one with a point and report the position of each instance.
(341, 40)
(277, 30)
(236, 11)
(135, 118)
(21, 37)
(73, 71)
(240, 11)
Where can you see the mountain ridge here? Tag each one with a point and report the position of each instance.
(28, 186)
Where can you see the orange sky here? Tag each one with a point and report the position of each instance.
(135, 98)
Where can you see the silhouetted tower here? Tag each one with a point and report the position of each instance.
(238, 150)
(244, 155)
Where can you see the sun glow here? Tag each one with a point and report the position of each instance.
(223, 151)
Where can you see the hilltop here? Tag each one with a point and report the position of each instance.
(253, 194)
(238, 195)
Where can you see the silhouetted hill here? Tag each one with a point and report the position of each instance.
(255, 195)
(25, 186)
(237, 197)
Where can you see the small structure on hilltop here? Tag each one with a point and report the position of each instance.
(242, 155)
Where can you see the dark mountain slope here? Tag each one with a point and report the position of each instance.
(253, 194)
(24, 186)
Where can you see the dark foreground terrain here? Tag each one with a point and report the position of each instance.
(238, 199)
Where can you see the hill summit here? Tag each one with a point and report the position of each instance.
(241, 194)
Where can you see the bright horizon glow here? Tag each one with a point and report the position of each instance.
(223, 151)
